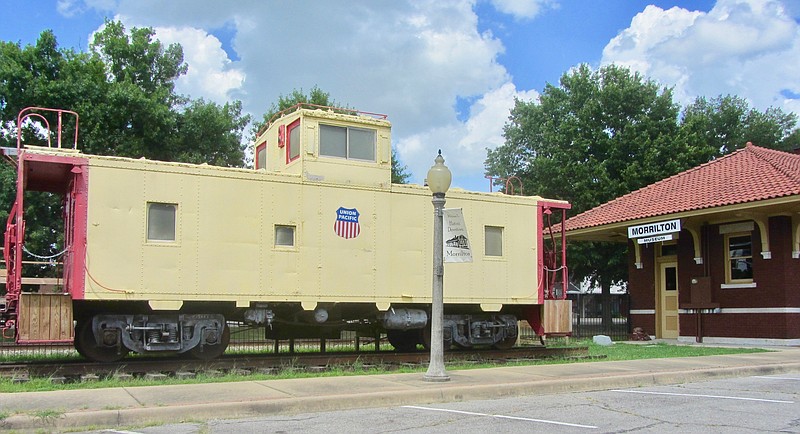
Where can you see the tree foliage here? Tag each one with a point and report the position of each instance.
(400, 172)
(316, 96)
(715, 127)
(140, 59)
(598, 135)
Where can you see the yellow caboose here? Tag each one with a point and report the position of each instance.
(314, 240)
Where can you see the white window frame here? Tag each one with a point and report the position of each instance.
(348, 155)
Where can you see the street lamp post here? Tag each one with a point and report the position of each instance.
(439, 178)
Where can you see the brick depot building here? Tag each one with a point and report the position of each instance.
(714, 252)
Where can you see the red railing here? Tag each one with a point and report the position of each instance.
(318, 107)
(31, 113)
(12, 255)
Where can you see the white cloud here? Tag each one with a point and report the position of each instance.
(71, 8)
(67, 8)
(211, 74)
(464, 144)
(521, 9)
(749, 48)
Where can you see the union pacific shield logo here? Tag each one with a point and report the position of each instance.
(346, 225)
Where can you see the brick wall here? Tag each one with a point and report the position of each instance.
(777, 285)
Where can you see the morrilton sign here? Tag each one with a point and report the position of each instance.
(652, 232)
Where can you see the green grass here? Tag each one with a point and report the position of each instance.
(661, 350)
(618, 351)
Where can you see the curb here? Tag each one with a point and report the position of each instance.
(267, 407)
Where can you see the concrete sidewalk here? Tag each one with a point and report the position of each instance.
(131, 406)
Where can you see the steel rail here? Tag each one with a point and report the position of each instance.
(74, 370)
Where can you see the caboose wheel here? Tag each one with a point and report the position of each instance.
(506, 344)
(403, 340)
(425, 339)
(86, 345)
(208, 352)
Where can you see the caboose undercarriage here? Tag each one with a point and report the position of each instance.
(106, 338)
(126, 327)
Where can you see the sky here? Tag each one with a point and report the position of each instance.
(446, 72)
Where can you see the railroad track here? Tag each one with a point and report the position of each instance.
(67, 371)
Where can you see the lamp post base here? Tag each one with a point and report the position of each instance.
(436, 378)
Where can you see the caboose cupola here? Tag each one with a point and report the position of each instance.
(328, 145)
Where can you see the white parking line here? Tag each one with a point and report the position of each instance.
(703, 396)
(500, 416)
(776, 378)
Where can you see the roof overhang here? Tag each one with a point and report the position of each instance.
(618, 231)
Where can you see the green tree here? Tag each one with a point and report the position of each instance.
(596, 136)
(210, 133)
(139, 59)
(715, 127)
(400, 172)
(44, 75)
(316, 96)
(141, 109)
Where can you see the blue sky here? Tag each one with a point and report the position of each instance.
(446, 72)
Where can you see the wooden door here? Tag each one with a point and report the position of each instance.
(667, 308)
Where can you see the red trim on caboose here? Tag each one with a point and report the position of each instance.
(80, 196)
(291, 145)
(544, 205)
(67, 176)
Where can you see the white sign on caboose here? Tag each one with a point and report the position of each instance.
(456, 240)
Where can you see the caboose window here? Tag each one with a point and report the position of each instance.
(333, 141)
(161, 219)
(284, 236)
(494, 241)
(346, 142)
(261, 156)
(293, 147)
(361, 144)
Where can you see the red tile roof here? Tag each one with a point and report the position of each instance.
(747, 175)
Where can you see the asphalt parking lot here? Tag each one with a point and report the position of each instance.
(752, 404)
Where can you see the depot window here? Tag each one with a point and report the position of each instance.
(347, 142)
(161, 221)
(739, 258)
(669, 248)
(494, 241)
(293, 142)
